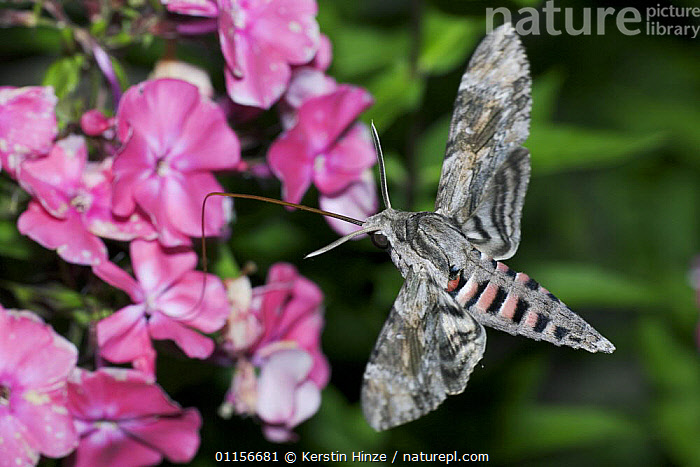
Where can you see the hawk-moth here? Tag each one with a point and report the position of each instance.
(455, 283)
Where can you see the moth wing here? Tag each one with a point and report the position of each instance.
(486, 171)
(426, 350)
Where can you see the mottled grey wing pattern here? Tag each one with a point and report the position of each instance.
(486, 171)
(427, 349)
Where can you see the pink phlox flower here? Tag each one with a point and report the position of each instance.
(325, 146)
(166, 295)
(34, 366)
(124, 419)
(72, 204)
(287, 395)
(27, 124)
(260, 40)
(306, 82)
(173, 139)
(355, 192)
(284, 320)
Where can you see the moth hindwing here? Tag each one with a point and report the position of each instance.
(454, 285)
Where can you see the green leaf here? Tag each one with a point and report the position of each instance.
(98, 27)
(12, 243)
(674, 370)
(53, 295)
(272, 238)
(360, 50)
(545, 91)
(585, 285)
(447, 42)
(64, 75)
(673, 367)
(225, 265)
(395, 92)
(431, 153)
(536, 430)
(120, 73)
(561, 147)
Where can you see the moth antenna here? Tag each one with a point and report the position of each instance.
(382, 171)
(267, 200)
(340, 241)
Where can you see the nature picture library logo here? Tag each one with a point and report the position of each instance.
(659, 20)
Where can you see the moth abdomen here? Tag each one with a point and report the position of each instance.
(498, 297)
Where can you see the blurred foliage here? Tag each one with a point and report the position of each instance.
(611, 225)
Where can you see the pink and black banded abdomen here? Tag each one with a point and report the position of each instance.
(498, 297)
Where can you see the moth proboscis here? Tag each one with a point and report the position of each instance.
(450, 259)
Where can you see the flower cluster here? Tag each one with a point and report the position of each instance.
(273, 336)
(133, 178)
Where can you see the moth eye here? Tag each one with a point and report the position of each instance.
(379, 240)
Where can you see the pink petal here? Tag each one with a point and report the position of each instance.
(321, 370)
(47, 420)
(94, 122)
(194, 345)
(207, 8)
(279, 434)
(227, 35)
(206, 141)
(156, 267)
(101, 221)
(304, 303)
(183, 198)
(307, 400)
(33, 352)
(261, 76)
(69, 237)
(277, 290)
(15, 446)
(186, 301)
(55, 178)
(108, 445)
(117, 394)
(345, 161)
(136, 158)
(288, 27)
(117, 277)
(322, 119)
(123, 336)
(308, 82)
(150, 197)
(177, 437)
(324, 56)
(291, 162)
(359, 201)
(279, 378)
(158, 110)
(123, 200)
(27, 124)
